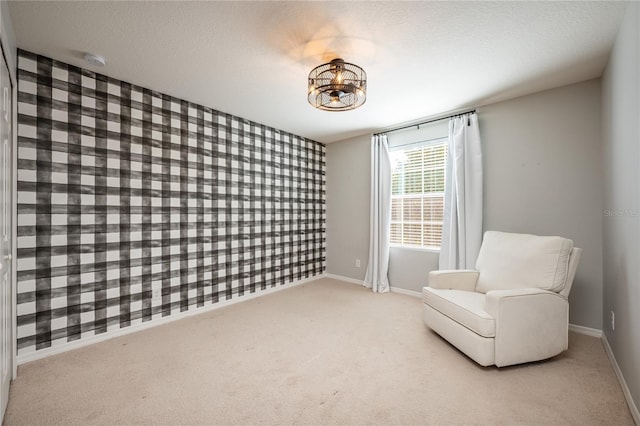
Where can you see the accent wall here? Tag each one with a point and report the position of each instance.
(134, 205)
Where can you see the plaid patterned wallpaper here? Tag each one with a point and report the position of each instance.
(133, 205)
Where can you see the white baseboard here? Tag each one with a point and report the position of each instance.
(623, 383)
(411, 293)
(593, 332)
(54, 350)
(359, 282)
(344, 279)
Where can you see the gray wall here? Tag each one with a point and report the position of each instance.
(8, 37)
(621, 158)
(542, 175)
(348, 181)
(348, 198)
(542, 169)
(409, 268)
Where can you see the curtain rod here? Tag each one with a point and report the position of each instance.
(426, 122)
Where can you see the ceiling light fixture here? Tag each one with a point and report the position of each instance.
(95, 60)
(337, 86)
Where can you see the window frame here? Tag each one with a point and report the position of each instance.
(421, 144)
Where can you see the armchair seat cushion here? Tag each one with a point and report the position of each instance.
(466, 307)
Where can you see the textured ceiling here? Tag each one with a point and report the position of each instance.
(252, 59)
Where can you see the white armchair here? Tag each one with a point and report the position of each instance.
(513, 307)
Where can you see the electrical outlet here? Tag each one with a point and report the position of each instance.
(613, 320)
(357, 263)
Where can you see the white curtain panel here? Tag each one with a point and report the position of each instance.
(376, 277)
(462, 225)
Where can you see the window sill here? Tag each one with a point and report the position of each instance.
(427, 250)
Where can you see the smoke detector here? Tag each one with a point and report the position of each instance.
(95, 60)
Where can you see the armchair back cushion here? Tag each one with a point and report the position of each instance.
(510, 261)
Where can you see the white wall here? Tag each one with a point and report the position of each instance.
(621, 158)
(542, 175)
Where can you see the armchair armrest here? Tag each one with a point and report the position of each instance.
(497, 297)
(461, 279)
(531, 324)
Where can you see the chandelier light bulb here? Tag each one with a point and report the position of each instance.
(337, 86)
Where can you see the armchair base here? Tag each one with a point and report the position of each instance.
(478, 348)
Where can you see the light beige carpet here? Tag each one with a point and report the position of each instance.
(321, 353)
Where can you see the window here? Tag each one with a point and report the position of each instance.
(417, 194)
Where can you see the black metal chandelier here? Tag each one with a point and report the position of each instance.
(337, 86)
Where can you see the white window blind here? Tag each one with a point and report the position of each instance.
(417, 194)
